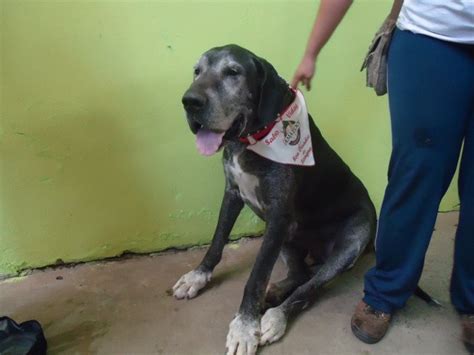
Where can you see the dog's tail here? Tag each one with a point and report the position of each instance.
(426, 297)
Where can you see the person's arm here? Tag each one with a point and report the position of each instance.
(329, 16)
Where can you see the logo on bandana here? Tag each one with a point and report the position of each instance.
(289, 141)
(292, 132)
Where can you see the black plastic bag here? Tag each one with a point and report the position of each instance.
(26, 338)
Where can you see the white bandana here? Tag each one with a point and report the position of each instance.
(289, 141)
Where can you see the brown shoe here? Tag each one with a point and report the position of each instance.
(467, 324)
(368, 324)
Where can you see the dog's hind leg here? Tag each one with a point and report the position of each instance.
(298, 274)
(343, 257)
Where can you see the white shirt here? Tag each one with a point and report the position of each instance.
(449, 20)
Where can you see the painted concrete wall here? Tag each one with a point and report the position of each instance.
(96, 156)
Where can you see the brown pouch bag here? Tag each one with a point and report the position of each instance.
(375, 61)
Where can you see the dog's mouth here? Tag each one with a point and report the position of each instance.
(237, 128)
(209, 141)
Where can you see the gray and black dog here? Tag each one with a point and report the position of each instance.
(320, 213)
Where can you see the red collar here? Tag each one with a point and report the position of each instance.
(255, 137)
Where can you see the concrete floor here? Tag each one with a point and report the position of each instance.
(122, 307)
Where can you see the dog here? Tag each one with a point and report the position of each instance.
(319, 217)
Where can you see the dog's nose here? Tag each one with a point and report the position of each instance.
(193, 102)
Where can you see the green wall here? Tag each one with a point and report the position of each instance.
(96, 156)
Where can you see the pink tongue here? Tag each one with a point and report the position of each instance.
(208, 142)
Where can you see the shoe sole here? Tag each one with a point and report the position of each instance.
(363, 336)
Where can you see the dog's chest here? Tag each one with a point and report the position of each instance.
(247, 184)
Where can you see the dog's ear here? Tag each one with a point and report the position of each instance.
(273, 90)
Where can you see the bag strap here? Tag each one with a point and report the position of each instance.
(395, 11)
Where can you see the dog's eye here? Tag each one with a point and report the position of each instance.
(231, 72)
(197, 71)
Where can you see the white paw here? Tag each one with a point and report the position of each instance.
(190, 283)
(273, 325)
(243, 336)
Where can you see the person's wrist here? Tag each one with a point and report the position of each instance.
(310, 56)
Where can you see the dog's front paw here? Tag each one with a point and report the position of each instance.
(190, 283)
(273, 325)
(243, 336)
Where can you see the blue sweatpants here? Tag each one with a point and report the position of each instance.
(431, 97)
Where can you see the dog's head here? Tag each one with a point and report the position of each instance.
(233, 93)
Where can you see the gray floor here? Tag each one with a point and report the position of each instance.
(122, 307)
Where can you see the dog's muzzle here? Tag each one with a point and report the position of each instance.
(194, 102)
(207, 141)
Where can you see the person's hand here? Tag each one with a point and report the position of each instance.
(304, 74)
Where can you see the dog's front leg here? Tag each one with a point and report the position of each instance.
(244, 330)
(190, 283)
